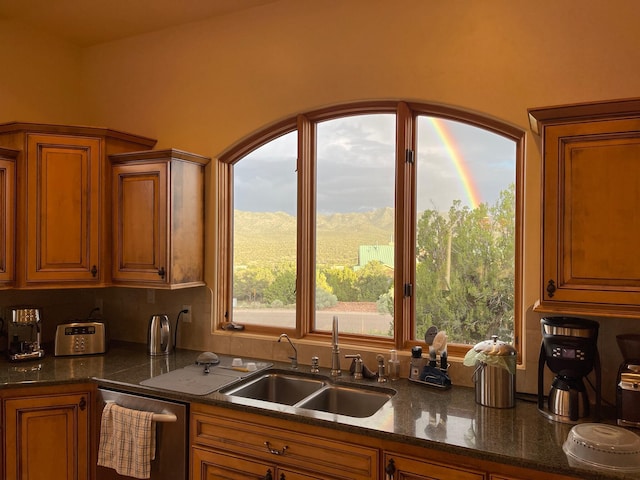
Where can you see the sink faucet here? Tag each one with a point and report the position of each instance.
(294, 358)
(335, 350)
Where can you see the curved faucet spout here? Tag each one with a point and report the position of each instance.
(294, 358)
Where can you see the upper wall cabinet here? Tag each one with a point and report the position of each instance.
(158, 219)
(7, 216)
(591, 210)
(62, 202)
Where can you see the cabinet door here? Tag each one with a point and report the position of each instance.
(47, 437)
(7, 216)
(398, 467)
(140, 223)
(591, 220)
(63, 209)
(209, 465)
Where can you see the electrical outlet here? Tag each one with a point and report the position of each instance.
(186, 317)
(98, 304)
(151, 295)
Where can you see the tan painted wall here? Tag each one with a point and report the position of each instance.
(204, 86)
(39, 77)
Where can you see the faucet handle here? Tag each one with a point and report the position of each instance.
(356, 366)
(314, 365)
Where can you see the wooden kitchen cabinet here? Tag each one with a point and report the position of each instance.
(591, 221)
(158, 219)
(47, 433)
(211, 465)
(8, 159)
(401, 467)
(62, 207)
(231, 444)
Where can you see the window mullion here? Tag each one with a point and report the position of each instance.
(306, 239)
(224, 265)
(405, 222)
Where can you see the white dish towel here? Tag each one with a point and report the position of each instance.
(127, 441)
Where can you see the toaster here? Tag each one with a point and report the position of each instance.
(80, 338)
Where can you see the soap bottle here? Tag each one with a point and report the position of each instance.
(416, 363)
(394, 365)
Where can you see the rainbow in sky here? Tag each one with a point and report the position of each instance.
(447, 139)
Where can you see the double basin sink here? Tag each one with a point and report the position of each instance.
(312, 392)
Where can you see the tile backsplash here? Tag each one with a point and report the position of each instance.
(126, 312)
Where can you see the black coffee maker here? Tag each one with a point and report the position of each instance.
(569, 348)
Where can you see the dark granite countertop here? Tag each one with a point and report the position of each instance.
(447, 420)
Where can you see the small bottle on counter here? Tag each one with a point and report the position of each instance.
(417, 363)
(394, 365)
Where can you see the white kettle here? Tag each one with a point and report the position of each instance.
(159, 336)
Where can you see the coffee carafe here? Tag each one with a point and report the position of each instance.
(23, 332)
(628, 389)
(569, 349)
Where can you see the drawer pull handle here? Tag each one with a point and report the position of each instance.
(275, 451)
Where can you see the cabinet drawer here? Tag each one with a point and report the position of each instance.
(287, 446)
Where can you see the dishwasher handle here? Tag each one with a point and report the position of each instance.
(158, 417)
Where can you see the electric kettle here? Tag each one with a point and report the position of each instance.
(159, 337)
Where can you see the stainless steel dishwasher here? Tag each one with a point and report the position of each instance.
(171, 436)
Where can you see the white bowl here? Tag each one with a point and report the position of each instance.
(603, 446)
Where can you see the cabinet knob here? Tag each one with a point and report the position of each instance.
(390, 469)
(94, 271)
(161, 272)
(551, 288)
(82, 404)
(268, 476)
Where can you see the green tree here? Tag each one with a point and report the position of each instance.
(372, 281)
(342, 281)
(465, 270)
(283, 287)
(250, 283)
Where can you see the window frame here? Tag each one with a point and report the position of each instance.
(407, 114)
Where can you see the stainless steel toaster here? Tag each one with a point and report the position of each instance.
(80, 338)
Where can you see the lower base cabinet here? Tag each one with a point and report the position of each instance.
(214, 466)
(237, 445)
(230, 444)
(47, 433)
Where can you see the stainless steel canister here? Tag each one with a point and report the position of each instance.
(495, 373)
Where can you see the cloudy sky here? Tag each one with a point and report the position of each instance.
(356, 167)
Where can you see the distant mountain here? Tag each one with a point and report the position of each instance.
(270, 237)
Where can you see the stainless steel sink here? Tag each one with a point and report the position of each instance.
(312, 392)
(277, 388)
(346, 400)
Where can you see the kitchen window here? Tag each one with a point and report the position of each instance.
(392, 216)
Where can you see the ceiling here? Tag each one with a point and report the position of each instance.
(89, 22)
